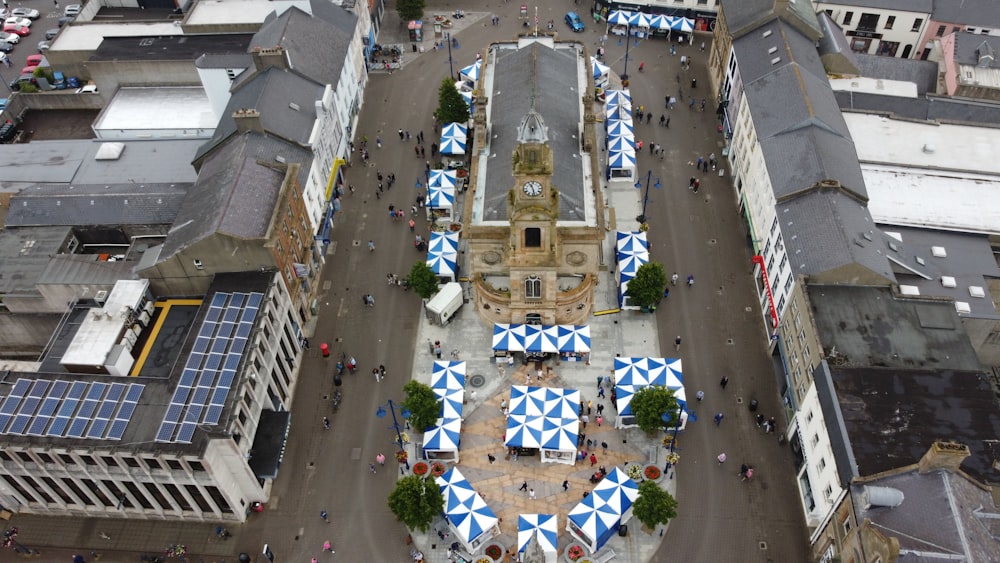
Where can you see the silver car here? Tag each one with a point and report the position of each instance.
(25, 13)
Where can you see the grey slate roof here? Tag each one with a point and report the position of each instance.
(317, 44)
(24, 255)
(969, 45)
(953, 110)
(920, 6)
(93, 205)
(922, 73)
(937, 517)
(553, 73)
(835, 44)
(234, 194)
(978, 13)
(825, 229)
(753, 51)
(272, 92)
(743, 15)
(894, 414)
(170, 48)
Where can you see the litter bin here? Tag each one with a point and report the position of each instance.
(623, 530)
(325, 348)
(753, 405)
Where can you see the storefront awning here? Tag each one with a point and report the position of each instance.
(269, 443)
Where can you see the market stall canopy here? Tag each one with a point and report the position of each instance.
(621, 159)
(619, 17)
(444, 243)
(621, 143)
(471, 72)
(445, 435)
(541, 338)
(620, 128)
(599, 515)
(467, 512)
(454, 130)
(442, 265)
(633, 242)
(544, 527)
(440, 197)
(682, 24)
(661, 22)
(443, 179)
(573, 338)
(638, 19)
(633, 374)
(618, 97)
(452, 145)
(543, 418)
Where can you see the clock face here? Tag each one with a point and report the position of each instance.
(533, 189)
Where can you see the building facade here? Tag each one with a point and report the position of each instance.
(877, 27)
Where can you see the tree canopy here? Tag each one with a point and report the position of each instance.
(416, 501)
(410, 9)
(650, 403)
(422, 404)
(451, 105)
(423, 280)
(646, 288)
(654, 505)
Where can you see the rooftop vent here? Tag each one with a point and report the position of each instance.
(109, 151)
(962, 307)
(772, 50)
(775, 60)
(929, 148)
(766, 33)
(883, 496)
(894, 246)
(976, 291)
(939, 252)
(948, 281)
(910, 290)
(894, 235)
(920, 260)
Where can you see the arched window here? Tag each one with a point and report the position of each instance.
(533, 288)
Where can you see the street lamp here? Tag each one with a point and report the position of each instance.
(645, 197)
(380, 412)
(451, 69)
(628, 41)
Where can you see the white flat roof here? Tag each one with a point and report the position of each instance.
(933, 199)
(901, 143)
(875, 86)
(88, 36)
(162, 108)
(214, 12)
(102, 329)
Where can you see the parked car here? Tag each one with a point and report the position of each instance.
(28, 70)
(65, 20)
(72, 10)
(58, 80)
(6, 47)
(44, 46)
(3, 104)
(17, 21)
(72, 82)
(25, 13)
(574, 22)
(7, 132)
(18, 29)
(50, 34)
(29, 78)
(10, 37)
(36, 60)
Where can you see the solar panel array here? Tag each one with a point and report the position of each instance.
(211, 369)
(79, 409)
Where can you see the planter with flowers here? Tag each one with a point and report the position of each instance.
(634, 472)
(652, 473)
(575, 553)
(437, 469)
(420, 468)
(494, 552)
(402, 456)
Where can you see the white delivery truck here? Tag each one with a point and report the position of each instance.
(442, 307)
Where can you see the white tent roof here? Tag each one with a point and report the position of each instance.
(466, 510)
(543, 526)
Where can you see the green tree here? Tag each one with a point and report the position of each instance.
(451, 105)
(650, 403)
(646, 288)
(654, 505)
(410, 9)
(423, 280)
(422, 404)
(416, 501)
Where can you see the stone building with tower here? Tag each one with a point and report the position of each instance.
(535, 215)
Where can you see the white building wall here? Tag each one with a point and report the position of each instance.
(818, 479)
(906, 29)
(217, 82)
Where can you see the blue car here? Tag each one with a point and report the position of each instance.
(574, 22)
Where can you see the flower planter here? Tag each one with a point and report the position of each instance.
(437, 469)
(576, 553)
(494, 552)
(634, 472)
(420, 468)
(652, 473)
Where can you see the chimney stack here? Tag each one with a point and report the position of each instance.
(943, 455)
(248, 120)
(274, 56)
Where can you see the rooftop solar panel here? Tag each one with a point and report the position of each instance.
(77, 428)
(38, 425)
(254, 300)
(39, 388)
(20, 424)
(134, 392)
(219, 299)
(77, 390)
(166, 432)
(97, 428)
(239, 344)
(213, 414)
(186, 433)
(58, 427)
(125, 413)
(237, 300)
(117, 429)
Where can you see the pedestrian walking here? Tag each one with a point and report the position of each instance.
(380, 459)
(673, 278)
(642, 66)
(371, 246)
(690, 281)
(371, 467)
(677, 343)
(718, 418)
(400, 134)
(381, 370)
(743, 470)
(585, 419)
(600, 420)
(694, 83)
(722, 458)
(600, 407)
(668, 122)
(702, 46)
(600, 379)
(724, 381)
(491, 458)
(697, 164)
(748, 474)
(700, 395)
(327, 546)
(600, 395)
(324, 516)
(524, 486)
(375, 371)
(565, 485)
(590, 407)
(378, 142)
(326, 423)
(604, 446)
(593, 460)
(531, 494)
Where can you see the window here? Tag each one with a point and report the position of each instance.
(815, 440)
(809, 416)
(67, 459)
(46, 458)
(152, 463)
(131, 461)
(533, 237)
(5, 457)
(848, 16)
(198, 265)
(916, 24)
(533, 288)
(828, 492)
(196, 466)
(89, 460)
(890, 21)
(109, 461)
(25, 457)
(822, 463)
(868, 22)
(940, 31)
(174, 464)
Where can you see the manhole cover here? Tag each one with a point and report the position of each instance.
(762, 545)
(739, 400)
(355, 243)
(729, 341)
(477, 381)
(712, 241)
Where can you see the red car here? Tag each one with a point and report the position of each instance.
(34, 60)
(18, 29)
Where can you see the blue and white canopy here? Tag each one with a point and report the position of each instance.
(443, 179)
(444, 243)
(617, 97)
(445, 435)
(620, 112)
(660, 22)
(619, 17)
(682, 24)
(471, 72)
(452, 145)
(543, 418)
(621, 143)
(541, 338)
(544, 527)
(467, 96)
(451, 402)
(573, 338)
(621, 159)
(633, 374)
(443, 265)
(440, 197)
(454, 130)
(466, 511)
(634, 242)
(629, 264)
(447, 374)
(638, 19)
(601, 73)
(620, 128)
(509, 337)
(599, 515)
